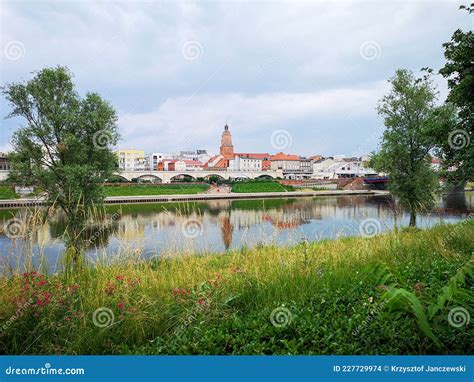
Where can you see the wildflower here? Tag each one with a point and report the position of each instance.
(371, 299)
(110, 289)
(121, 305)
(119, 278)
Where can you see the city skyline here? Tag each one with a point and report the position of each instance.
(177, 72)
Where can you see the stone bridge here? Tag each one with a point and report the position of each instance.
(169, 176)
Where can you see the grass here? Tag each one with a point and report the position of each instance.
(172, 189)
(391, 294)
(7, 192)
(260, 186)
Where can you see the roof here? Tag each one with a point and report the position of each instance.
(282, 156)
(192, 161)
(254, 155)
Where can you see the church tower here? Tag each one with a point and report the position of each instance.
(227, 148)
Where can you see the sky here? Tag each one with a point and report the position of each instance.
(301, 77)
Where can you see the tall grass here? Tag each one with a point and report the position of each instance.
(391, 294)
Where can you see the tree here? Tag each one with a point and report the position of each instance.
(410, 117)
(64, 147)
(455, 141)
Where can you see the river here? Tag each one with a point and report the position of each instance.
(151, 230)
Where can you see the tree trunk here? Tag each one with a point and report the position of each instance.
(412, 219)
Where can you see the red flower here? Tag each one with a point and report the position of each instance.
(110, 289)
(121, 305)
(119, 278)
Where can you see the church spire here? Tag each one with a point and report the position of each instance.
(227, 148)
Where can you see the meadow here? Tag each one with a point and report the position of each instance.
(260, 186)
(148, 189)
(404, 292)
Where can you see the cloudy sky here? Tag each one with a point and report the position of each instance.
(301, 76)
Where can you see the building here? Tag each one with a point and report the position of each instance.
(131, 160)
(264, 157)
(330, 168)
(226, 152)
(306, 167)
(4, 165)
(287, 163)
(245, 164)
(152, 160)
(195, 155)
(227, 148)
(320, 166)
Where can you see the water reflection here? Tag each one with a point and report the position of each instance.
(161, 229)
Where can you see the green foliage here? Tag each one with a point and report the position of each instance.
(7, 192)
(260, 186)
(65, 144)
(458, 149)
(410, 118)
(172, 189)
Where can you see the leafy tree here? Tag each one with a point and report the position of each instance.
(64, 147)
(410, 117)
(456, 140)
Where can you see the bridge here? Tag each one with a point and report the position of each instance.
(169, 176)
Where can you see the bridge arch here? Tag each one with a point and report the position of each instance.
(151, 177)
(181, 176)
(208, 176)
(265, 176)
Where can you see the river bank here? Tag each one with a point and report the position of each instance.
(395, 293)
(29, 202)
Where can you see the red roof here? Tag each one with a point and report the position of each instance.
(281, 156)
(192, 161)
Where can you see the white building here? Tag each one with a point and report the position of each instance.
(153, 159)
(345, 168)
(240, 163)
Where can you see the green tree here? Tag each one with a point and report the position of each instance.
(455, 140)
(64, 146)
(410, 117)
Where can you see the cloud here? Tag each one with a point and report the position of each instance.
(263, 65)
(195, 122)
